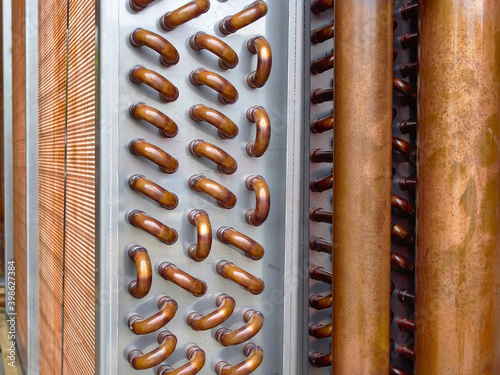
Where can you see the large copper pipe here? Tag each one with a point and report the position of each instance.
(226, 127)
(225, 162)
(201, 249)
(254, 355)
(183, 14)
(249, 246)
(140, 361)
(250, 14)
(140, 287)
(254, 321)
(168, 53)
(228, 59)
(182, 279)
(166, 90)
(227, 92)
(225, 307)
(143, 326)
(166, 126)
(234, 273)
(458, 201)
(196, 357)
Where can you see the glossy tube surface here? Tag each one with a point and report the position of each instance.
(320, 331)
(321, 216)
(406, 324)
(140, 287)
(164, 161)
(321, 125)
(260, 46)
(409, 40)
(140, 361)
(166, 126)
(403, 206)
(394, 370)
(226, 127)
(406, 352)
(138, 5)
(250, 247)
(196, 357)
(320, 359)
(153, 191)
(228, 59)
(254, 321)
(162, 232)
(227, 92)
(200, 250)
(142, 326)
(321, 95)
(407, 296)
(397, 231)
(321, 274)
(408, 93)
(321, 156)
(224, 197)
(402, 264)
(319, 302)
(407, 152)
(323, 64)
(319, 6)
(254, 355)
(322, 34)
(319, 185)
(408, 127)
(259, 116)
(248, 281)
(225, 307)
(250, 14)
(183, 14)
(225, 162)
(182, 279)
(320, 244)
(258, 216)
(168, 54)
(167, 91)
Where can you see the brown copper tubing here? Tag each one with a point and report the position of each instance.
(322, 65)
(166, 162)
(227, 92)
(248, 281)
(408, 93)
(319, 185)
(142, 326)
(321, 156)
(254, 321)
(408, 127)
(139, 5)
(250, 247)
(403, 206)
(321, 125)
(401, 263)
(201, 249)
(225, 307)
(409, 11)
(319, 302)
(254, 355)
(168, 54)
(259, 116)
(225, 162)
(250, 14)
(258, 216)
(166, 126)
(320, 274)
(183, 14)
(406, 324)
(394, 370)
(2, 300)
(409, 40)
(140, 287)
(397, 231)
(224, 197)
(228, 59)
(409, 184)
(406, 352)
(320, 331)
(152, 226)
(167, 91)
(321, 216)
(196, 357)
(409, 69)
(260, 46)
(406, 150)
(322, 34)
(153, 191)
(319, 6)
(226, 127)
(320, 359)
(140, 361)
(321, 95)
(407, 296)
(182, 279)
(320, 244)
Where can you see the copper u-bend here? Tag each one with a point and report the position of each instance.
(318, 155)
(167, 91)
(319, 6)
(322, 65)
(397, 231)
(139, 5)
(250, 14)
(408, 127)
(394, 370)
(258, 216)
(254, 321)
(409, 69)
(254, 355)
(320, 359)
(322, 34)
(228, 59)
(182, 279)
(259, 116)
(143, 326)
(140, 361)
(226, 127)
(201, 249)
(224, 197)
(406, 325)
(183, 14)
(318, 96)
(168, 54)
(319, 215)
(227, 92)
(260, 46)
(320, 302)
(225, 307)
(403, 206)
(153, 191)
(402, 264)
(320, 274)
(166, 162)
(320, 331)
(406, 150)
(406, 352)
(320, 244)
(408, 93)
(319, 185)
(250, 247)
(409, 10)
(152, 226)
(196, 357)
(409, 40)
(321, 125)
(140, 287)
(248, 281)
(225, 162)
(166, 126)
(406, 296)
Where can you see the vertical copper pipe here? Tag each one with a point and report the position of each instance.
(362, 188)
(458, 200)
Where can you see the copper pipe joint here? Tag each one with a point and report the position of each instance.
(406, 352)
(320, 359)
(152, 226)
(403, 206)
(318, 96)
(321, 156)
(409, 11)
(153, 191)
(167, 91)
(320, 274)
(409, 184)
(409, 69)
(320, 331)
(408, 93)
(241, 277)
(201, 249)
(394, 370)
(140, 287)
(319, 215)
(250, 247)
(406, 325)
(254, 321)
(259, 116)
(140, 361)
(250, 14)
(166, 126)
(402, 264)
(143, 326)
(196, 358)
(224, 197)
(321, 125)
(182, 279)
(407, 152)
(227, 92)
(319, 6)
(254, 355)
(319, 185)
(225, 162)
(406, 296)
(260, 46)
(322, 34)
(164, 161)
(258, 216)
(225, 307)
(228, 59)
(397, 231)
(183, 14)
(321, 245)
(408, 127)
(226, 127)
(322, 65)
(168, 53)
(409, 40)
(320, 302)
(139, 5)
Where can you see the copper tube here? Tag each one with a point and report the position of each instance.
(394, 370)
(320, 359)
(406, 352)
(407, 296)
(408, 93)
(322, 65)
(406, 150)
(140, 220)
(319, 185)
(320, 244)
(225, 162)
(168, 54)
(319, 302)
(226, 127)
(406, 324)
(196, 357)
(225, 307)
(2, 300)
(322, 34)
(254, 355)
(319, 6)
(403, 206)
(143, 326)
(227, 92)
(250, 247)
(259, 116)
(254, 321)
(260, 46)
(409, 184)
(409, 69)
(183, 14)
(409, 11)
(166, 162)
(256, 217)
(201, 249)
(401, 263)
(320, 331)
(250, 14)
(321, 125)
(140, 287)
(321, 95)
(139, 5)
(397, 231)
(167, 91)
(224, 197)
(153, 191)
(182, 279)
(166, 126)
(409, 40)
(228, 59)
(248, 281)
(140, 361)
(320, 274)
(321, 156)
(408, 127)
(321, 216)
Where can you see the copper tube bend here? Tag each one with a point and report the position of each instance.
(254, 355)
(226, 127)
(258, 216)
(320, 331)
(228, 59)
(320, 302)
(319, 185)
(227, 92)
(321, 274)
(318, 155)
(225, 307)
(402, 264)
(153, 191)
(321, 125)
(166, 126)
(143, 326)
(250, 14)
(403, 206)
(140, 220)
(322, 65)
(140, 287)
(164, 161)
(398, 231)
(200, 250)
(183, 14)
(182, 279)
(406, 150)
(248, 281)
(250, 247)
(321, 245)
(224, 197)
(139, 5)
(196, 357)
(406, 325)
(321, 216)
(168, 53)
(320, 359)
(254, 321)
(259, 116)
(140, 361)
(318, 96)
(394, 370)
(408, 184)
(167, 91)
(406, 352)
(408, 93)
(406, 296)
(409, 11)
(322, 34)
(260, 46)
(319, 6)
(225, 162)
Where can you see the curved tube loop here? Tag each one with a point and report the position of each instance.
(226, 127)
(140, 287)
(408, 184)
(398, 231)
(260, 46)
(319, 6)
(201, 249)
(319, 185)
(321, 95)
(321, 156)
(402, 264)
(321, 125)
(225, 162)
(166, 126)
(140, 361)
(322, 65)
(250, 14)
(168, 53)
(319, 215)
(254, 355)
(408, 127)
(196, 357)
(320, 274)
(319, 302)
(182, 279)
(406, 325)
(409, 69)
(224, 197)
(250, 247)
(320, 331)
(403, 206)
(153, 191)
(320, 359)
(259, 116)
(409, 11)
(183, 14)
(166, 90)
(407, 152)
(394, 370)
(406, 296)
(248, 281)
(408, 93)
(254, 321)
(152, 226)
(227, 92)
(225, 307)
(228, 59)
(164, 161)
(143, 326)
(406, 352)
(258, 216)
(321, 245)
(322, 34)
(139, 5)
(409, 40)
